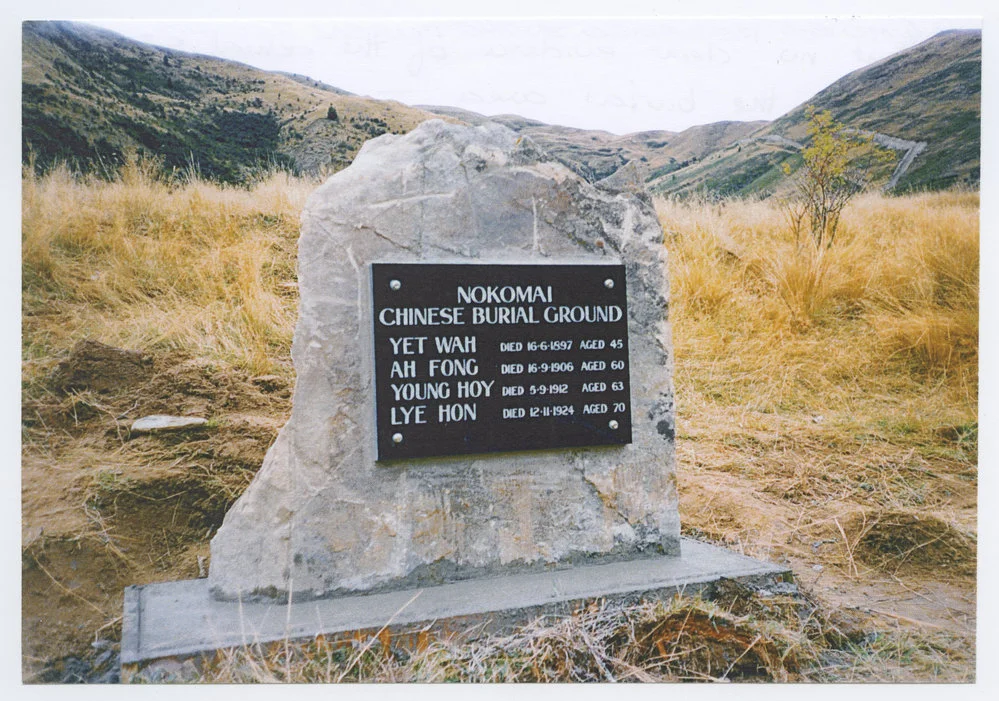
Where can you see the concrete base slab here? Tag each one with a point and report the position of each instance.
(181, 618)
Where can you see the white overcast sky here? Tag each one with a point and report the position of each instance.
(619, 73)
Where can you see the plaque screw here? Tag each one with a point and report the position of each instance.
(612, 424)
(608, 283)
(395, 285)
(397, 438)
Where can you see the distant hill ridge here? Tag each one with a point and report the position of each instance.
(89, 95)
(929, 93)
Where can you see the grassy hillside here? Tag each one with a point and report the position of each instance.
(929, 93)
(827, 419)
(90, 96)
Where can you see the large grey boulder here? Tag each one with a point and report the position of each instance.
(322, 517)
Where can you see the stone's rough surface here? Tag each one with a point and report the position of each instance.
(322, 517)
(163, 422)
(627, 178)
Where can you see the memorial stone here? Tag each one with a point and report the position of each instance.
(484, 378)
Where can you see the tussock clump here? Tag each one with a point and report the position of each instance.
(901, 541)
(817, 387)
(780, 323)
(138, 262)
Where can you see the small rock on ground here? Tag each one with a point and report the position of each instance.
(164, 422)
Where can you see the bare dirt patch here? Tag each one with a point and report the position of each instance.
(101, 368)
(103, 509)
(876, 530)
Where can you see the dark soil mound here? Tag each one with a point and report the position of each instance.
(100, 368)
(902, 540)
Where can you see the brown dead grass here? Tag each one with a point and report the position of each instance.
(889, 308)
(141, 263)
(103, 509)
(843, 378)
(828, 407)
(199, 280)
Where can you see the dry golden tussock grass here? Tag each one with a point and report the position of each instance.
(763, 322)
(831, 380)
(827, 409)
(141, 263)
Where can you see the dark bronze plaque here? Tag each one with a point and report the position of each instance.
(487, 358)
